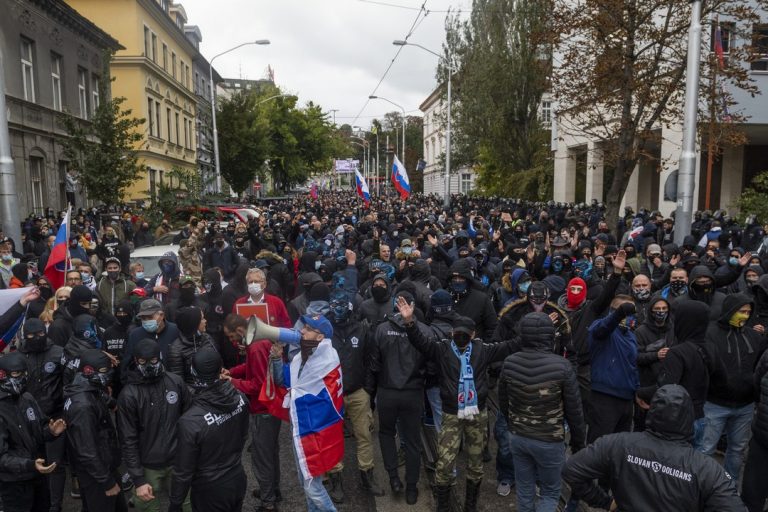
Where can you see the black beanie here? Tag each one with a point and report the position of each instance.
(95, 358)
(80, 293)
(207, 365)
(319, 291)
(33, 326)
(20, 272)
(146, 349)
(188, 319)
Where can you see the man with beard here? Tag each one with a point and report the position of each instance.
(211, 436)
(149, 408)
(79, 303)
(462, 358)
(352, 341)
(92, 445)
(24, 428)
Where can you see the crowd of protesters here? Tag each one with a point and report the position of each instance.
(606, 359)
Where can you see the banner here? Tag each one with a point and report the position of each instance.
(347, 166)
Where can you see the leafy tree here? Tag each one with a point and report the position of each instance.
(621, 73)
(501, 57)
(244, 143)
(754, 199)
(102, 151)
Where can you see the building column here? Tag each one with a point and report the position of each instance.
(595, 172)
(671, 147)
(732, 177)
(565, 175)
(630, 194)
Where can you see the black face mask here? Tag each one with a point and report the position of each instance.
(187, 294)
(461, 339)
(46, 292)
(379, 294)
(36, 342)
(701, 290)
(123, 320)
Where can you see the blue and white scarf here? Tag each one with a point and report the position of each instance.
(466, 388)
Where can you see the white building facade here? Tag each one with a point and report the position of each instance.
(463, 178)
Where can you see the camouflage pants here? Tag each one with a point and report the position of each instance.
(474, 432)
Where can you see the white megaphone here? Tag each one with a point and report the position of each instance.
(258, 330)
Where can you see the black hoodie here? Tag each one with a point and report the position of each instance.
(211, 436)
(651, 338)
(737, 350)
(654, 470)
(713, 298)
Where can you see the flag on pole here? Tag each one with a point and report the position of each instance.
(400, 179)
(56, 267)
(362, 188)
(719, 47)
(313, 190)
(8, 299)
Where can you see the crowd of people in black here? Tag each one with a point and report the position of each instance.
(606, 359)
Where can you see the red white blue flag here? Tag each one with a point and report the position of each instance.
(316, 403)
(362, 187)
(56, 267)
(400, 179)
(719, 47)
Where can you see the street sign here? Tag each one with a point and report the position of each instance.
(257, 186)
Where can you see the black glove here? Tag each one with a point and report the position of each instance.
(626, 309)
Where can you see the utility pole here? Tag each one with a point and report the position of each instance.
(686, 176)
(9, 203)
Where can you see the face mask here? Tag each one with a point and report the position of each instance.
(318, 263)
(395, 233)
(678, 287)
(461, 339)
(254, 288)
(459, 287)
(407, 250)
(102, 379)
(85, 276)
(751, 280)
(660, 316)
(630, 322)
(15, 386)
(36, 343)
(46, 292)
(208, 287)
(738, 319)
(187, 294)
(340, 312)
(701, 290)
(124, 320)
(7, 257)
(522, 288)
(379, 294)
(139, 275)
(557, 266)
(113, 274)
(149, 325)
(641, 293)
(149, 370)
(168, 268)
(733, 261)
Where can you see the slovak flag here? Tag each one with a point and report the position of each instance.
(316, 403)
(362, 187)
(400, 179)
(56, 267)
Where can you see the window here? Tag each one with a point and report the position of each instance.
(28, 69)
(204, 91)
(165, 57)
(760, 45)
(56, 81)
(82, 92)
(186, 133)
(197, 83)
(147, 41)
(466, 182)
(426, 149)
(152, 183)
(168, 123)
(545, 113)
(173, 64)
(36, 170)
(154, 48)
(177, 128)
(157, 119)
(151, 117)
(94, 93)
(726, 32)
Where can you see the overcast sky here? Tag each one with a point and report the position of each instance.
(333, 52)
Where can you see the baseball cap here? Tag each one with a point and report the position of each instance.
(318, 323)
(149, 307)
(464, 324)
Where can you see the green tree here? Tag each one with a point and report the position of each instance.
(244, 142)
(501, 57)
(102, 151)
(754, 199)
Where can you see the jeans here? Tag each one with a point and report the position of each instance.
(436, 404)
(698, 432)
(505, 467)
(540, 459)
(735, 421)
(317, 497)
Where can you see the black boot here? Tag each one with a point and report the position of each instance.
(396, 484)
(336, 492)
(473, 491)
(411, 494)
(442, 498)
(370, 484)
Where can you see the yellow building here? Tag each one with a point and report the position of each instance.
(154, 74)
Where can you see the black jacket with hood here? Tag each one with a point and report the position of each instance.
(657, 469)
(474, 303)
(210, 436)
(23, 432)
(183, 349)
(374, 311)
(148, 410)
(46, 377)
(712, 298)
(171, 280)
(760, 295)
(538, 389)
(353, 341)
(652, 337)
(737, 351)
(92, 445)
(395, 363)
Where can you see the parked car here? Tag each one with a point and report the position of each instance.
(150, 257)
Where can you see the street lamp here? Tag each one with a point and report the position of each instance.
(451, 70)
(402, 150)
(260, 42)
(377, 157)
(272, 98)
(366, 146)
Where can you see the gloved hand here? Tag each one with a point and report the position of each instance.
(626, 309)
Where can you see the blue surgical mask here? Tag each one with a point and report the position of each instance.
(733, 261)
(523, 287)
(149, 325)
(318, 263)
(139, 275)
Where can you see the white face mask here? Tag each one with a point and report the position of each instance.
(254, 288)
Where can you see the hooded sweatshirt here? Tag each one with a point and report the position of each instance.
(169, 279)
(711, 298)
(737, 351)
(652, 337)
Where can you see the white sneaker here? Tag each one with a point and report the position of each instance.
(503, 489)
